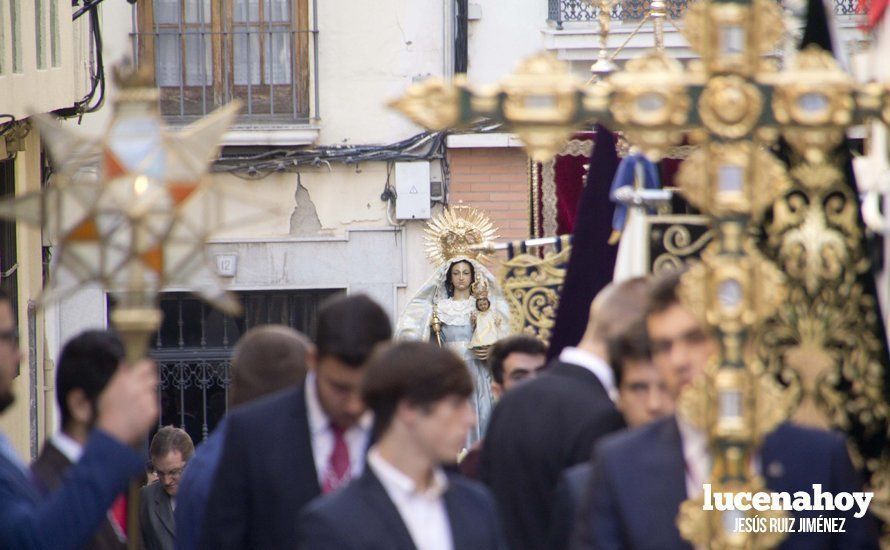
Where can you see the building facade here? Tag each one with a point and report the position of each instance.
(315, 143)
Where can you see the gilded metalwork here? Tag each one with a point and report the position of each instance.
(711, 402)
(732, 178)
(431, 103)
(880, 485)
(815, 231)
(824, 344)
(730, 106)
(675, 240)
(732, 36)
(814, 103)
(536, 198)
(541, 101)
(532, 286)
(650, 98)
(455, 231)
(716, 529)
(733, 293)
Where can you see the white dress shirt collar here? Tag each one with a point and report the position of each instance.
(67, 446)
(594, 364)
(423, 512)
(394, 480)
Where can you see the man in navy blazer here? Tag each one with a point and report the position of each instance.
(641, 477)
(68, 517)
(643, 514)
(419, 393)
(283, 450)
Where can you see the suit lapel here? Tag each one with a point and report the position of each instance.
(163, 509)
(654, 486)
(673, 463)
(381, 504)
(303, 443)
(461, 535)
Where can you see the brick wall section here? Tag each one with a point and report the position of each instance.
(494, 180)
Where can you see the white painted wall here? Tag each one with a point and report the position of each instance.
(506, 32)
(34, 90)
(369, 52)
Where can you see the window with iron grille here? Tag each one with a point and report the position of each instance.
(193, 350)
(205, 53)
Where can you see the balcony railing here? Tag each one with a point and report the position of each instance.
(563, 11)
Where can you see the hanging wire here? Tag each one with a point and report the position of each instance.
(90, 103)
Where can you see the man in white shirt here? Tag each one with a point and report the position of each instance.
(85, 366)
(284, 450)
(419, 394)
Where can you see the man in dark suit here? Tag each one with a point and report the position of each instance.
(70, 516)
(84, 368)
(266, 359)
(282, 451)
(170, 451)
(642, 398)
(668, 460)
(549, 424)
(419, 393)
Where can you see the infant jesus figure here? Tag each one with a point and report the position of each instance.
(488, 326)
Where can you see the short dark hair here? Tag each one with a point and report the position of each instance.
(449, 286)
(87, 362)
(417, 372)
(267, 358)
(663, 291)
(502, 349)
(169, 439)
(349, 327)
(4, 296)
(630, 345)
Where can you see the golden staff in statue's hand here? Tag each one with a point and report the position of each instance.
(436, 325)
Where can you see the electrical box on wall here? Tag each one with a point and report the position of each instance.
(412, 190)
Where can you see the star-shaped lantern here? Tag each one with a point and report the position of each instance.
(122, 207)
(131, 214)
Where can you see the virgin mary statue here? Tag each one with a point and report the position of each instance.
(461, 305)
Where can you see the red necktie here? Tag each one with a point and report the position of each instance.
(119, 513)
(338, 472)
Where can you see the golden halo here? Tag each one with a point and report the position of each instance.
(452, 233)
